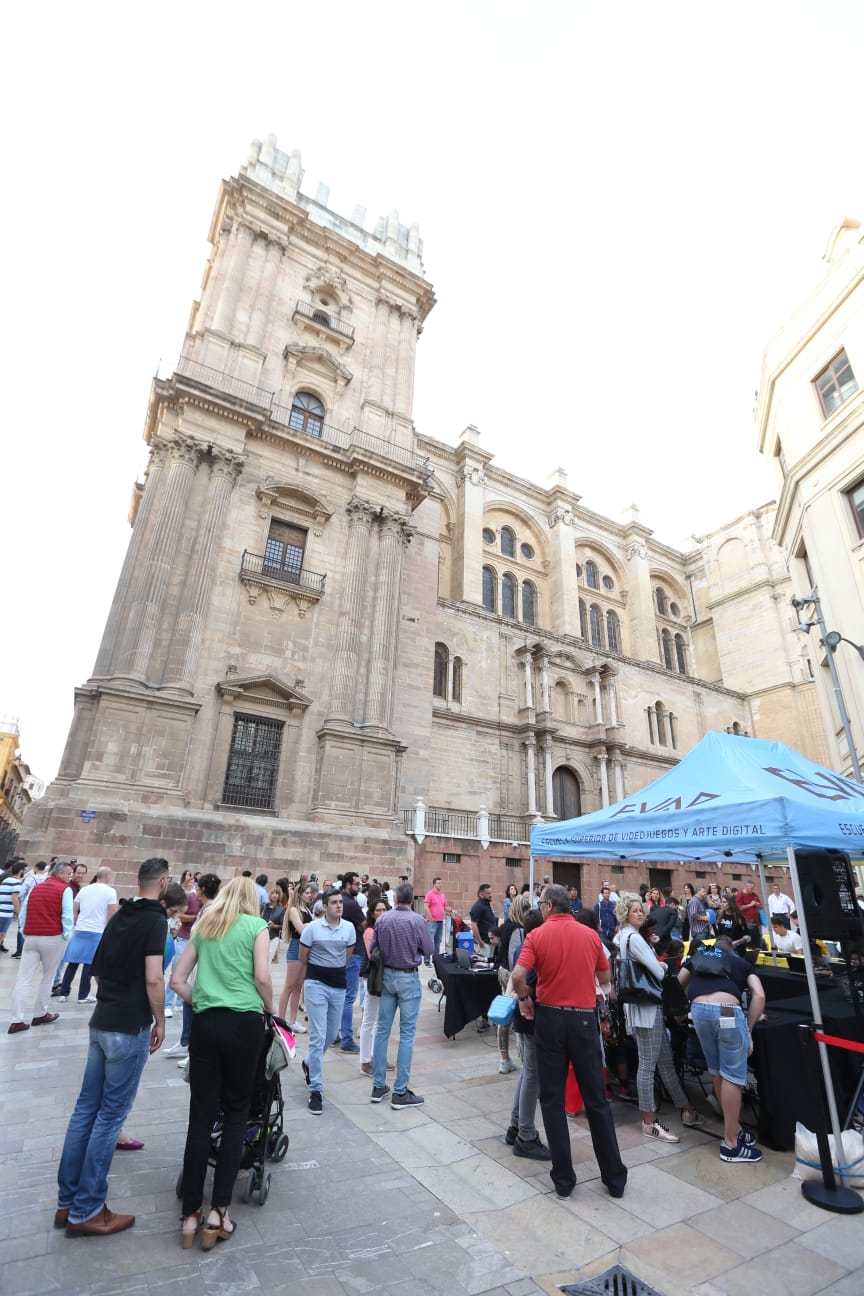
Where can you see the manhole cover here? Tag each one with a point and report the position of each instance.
(616, 1281)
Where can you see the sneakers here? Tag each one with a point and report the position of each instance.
(177, 1050)
(511, 1135)
(659, 1131)
(506, 1065)
(746, 1137)
(169, 1012)
(366, 1068)
(315, 1103)
(349, 1048)
(296, 1028)
(694, 1123)
(534, 1148)
(482, 1024)
(93, 999)
(740, 1152)
(379, 1092)
(406, 1099)
(61, 998)
(305, 1065)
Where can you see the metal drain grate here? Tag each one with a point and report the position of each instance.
(616, 1281)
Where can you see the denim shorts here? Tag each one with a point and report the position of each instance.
(725, 1047)
(292, 953)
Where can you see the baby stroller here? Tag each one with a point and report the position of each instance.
(264, 1138)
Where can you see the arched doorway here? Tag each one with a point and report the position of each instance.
(566, 793)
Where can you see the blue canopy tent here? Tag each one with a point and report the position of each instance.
(729, 798)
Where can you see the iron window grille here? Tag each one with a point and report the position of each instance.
(253, 762)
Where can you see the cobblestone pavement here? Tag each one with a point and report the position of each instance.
(429, 1200)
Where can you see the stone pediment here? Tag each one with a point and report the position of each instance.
(294, 499)
(315, 359)
(267, 689)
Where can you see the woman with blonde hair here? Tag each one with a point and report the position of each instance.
(230, 947)
(297, 915)
(522, 1133)
(645, 1023)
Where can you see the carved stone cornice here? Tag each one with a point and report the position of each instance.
(561, 517)
(185, 449)
(473, 475)
(226, 463)
(636, 549)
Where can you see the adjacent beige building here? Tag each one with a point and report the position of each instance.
(339, 642)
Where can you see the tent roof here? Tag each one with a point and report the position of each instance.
(729, 798)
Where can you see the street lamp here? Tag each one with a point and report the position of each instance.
(830, 639)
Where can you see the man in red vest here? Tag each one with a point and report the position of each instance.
(47, 928)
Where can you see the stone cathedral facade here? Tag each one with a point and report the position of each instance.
(338, 642)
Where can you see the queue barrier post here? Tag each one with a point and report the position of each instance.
(827, 1195)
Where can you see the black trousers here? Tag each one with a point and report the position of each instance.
(561, 1037)
(224, 1049)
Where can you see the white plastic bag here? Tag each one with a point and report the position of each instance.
(808, 1165)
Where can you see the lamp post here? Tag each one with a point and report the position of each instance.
(830, 640)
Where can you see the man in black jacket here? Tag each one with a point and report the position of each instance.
(127, 1025)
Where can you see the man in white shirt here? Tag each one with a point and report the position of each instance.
(94, 905)
(785, 942)
(780, 906)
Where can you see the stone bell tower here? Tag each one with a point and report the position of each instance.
(270, 618)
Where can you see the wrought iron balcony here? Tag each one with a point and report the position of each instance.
(257, 567)
(435, 821)
(318, 315)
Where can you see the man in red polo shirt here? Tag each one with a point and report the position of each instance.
(567, 956)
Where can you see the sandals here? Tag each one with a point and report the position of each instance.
(188, 1236)
(213, 1233)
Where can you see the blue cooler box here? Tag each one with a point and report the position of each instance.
(465, 940)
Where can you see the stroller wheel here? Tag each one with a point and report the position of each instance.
(250, 1185)
(281, 1149)
(178, 1187)
(264, 1189)
(271, 1144)
(434, 985)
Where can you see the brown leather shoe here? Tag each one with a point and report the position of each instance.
(60, 1218)
(45, 1019)
(101, 1225)
(17, 1026)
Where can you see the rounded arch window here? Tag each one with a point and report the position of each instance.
(439, 678)
(674, 610)
(680, 655)
(578, 571)
(488, 536)
(661, 601)
(307, 414)
(592, 578)
(608, 583)
(666, 641)
(529, 604)
(613, 631)
(457, 679)
(489, 584)
(526, 551)
(583, 620)
(508, 542)
(566, 794)
(508, 596)
(595, 623)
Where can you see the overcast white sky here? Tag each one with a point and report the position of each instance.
(620, 204)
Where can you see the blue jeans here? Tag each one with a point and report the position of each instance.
(173, 1000)
(324, 1009)
(114, 1065)
(401, 990)
(436, 931)
(352, 980)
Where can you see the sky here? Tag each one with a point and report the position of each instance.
(620, 205)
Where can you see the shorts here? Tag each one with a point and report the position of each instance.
(725, 1047)
(292, 953)
(5, 921)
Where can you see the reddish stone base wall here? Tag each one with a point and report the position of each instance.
(209, 842)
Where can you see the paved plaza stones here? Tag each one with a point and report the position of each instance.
(428, 1200)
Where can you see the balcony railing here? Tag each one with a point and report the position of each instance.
(257, 565)
(285, 415)
(434, 821)
(318, 315)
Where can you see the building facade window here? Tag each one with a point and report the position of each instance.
(660, 600)
(439, 677)
(529, 604)
(489, 589)
(592, 579)
(488, 536)
(508, 596)
(284, 550)
(660, 715)
(613, 632)
(595, 623)
(583, 620)
(253, 763)
(566, 794)
(307, 414)
(526, 551)
(457, 679)
(680, 655)
(608, 583)
(856, 504)
(508, 542)
(666, 646)
(835, 384)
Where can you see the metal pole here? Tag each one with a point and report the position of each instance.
(838, 692)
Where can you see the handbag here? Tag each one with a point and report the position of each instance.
(635, 984)
(375, 975)
(500, 1011)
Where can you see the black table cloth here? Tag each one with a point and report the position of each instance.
(468, 993)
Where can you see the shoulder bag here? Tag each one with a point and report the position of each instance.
(634, 983)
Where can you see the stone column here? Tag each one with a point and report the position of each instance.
(378, 704)
(544, 684)
(225, 468)
(604, 778)
(241, 242)
(530, 745)
(547, 771)
(613, 703)
(260, 315)
(529, 683)
(405, 371)
(146, 603)
(108, 649)
(379, 352)
(618, 773)
(598, 700)
(344, 691)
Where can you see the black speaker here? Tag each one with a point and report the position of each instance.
(828, 891)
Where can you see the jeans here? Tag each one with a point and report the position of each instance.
(186, 1028)
(43, 953)
(560, 1037)
(324, 1009)
(524, 1113)
(368, 1027)
(401, 990)
(114, 1065)
(69, 977)
(436, 931)
(173, 1000)
(223, 1061)
(352, 980)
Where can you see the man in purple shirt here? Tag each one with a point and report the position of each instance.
(403, 938)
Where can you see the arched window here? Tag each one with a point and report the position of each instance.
(508, 542)
(660, 713)
(592, 579)
(680, 655)
(660, 600)
(307, 414)
(561, 701)
(613, 631)
(529, 604)
(439, 678)
(583, 620)
(666, 640)
(489, 589)
(508, 596)
(595, 618)
(488, 536)
(566, 794)
(457, 679)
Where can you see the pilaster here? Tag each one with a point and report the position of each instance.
(343, 698)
